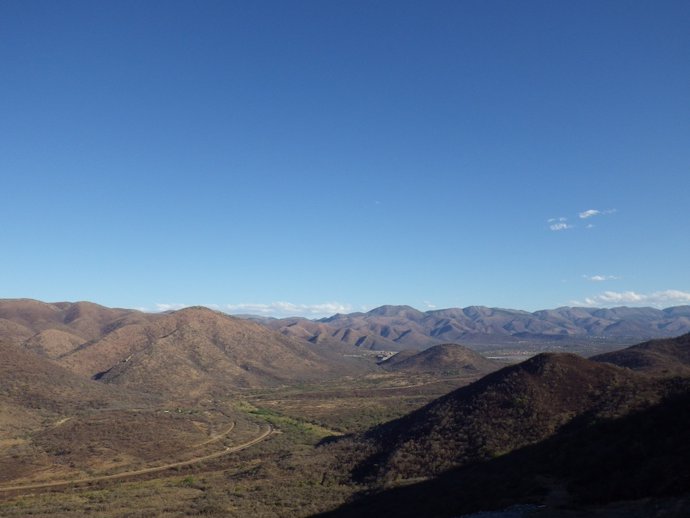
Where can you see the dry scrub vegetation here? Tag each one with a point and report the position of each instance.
(286, 475)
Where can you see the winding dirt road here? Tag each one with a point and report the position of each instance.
(126, 474)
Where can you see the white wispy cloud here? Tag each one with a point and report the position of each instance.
(289, 309)
(657, 299)
(560, 226)
(595, 212)
(601, 278)
(561, 223)
(589, 213)
(429, 305)
(166, 306)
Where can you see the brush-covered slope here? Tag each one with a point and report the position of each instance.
(444, 358)
(58, 425)
(664, 357)
(32, 381)
(84, 319)
(322, 332)
(196, 351)
(53, 343)
(508, 409)
(636, 465)
(56, 329)
(33, 388)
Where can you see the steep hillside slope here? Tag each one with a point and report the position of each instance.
(56, 329)
(33, 389)
(53, 343)
(665, 357)
(196, 351)
(32, 381)
(506, 410)
(322, 332)
(84, 319)
(637, 465)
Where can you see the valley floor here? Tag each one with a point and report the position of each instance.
(255, 453)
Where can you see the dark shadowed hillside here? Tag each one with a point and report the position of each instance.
(506, 410)
(619, 467)
(670, 357)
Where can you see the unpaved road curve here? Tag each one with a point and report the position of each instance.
(126, 474)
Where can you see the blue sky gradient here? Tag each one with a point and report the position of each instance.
(321, 156)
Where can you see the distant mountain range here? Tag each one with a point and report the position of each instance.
(403, 327)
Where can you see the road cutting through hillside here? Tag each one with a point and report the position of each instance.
(127, 474)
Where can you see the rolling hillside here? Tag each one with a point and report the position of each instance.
(445, 358)
(34, 389)
(196, 351)
(190, 352)
(54, 329)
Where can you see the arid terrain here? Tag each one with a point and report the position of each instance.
(578, 329)
(114, 412)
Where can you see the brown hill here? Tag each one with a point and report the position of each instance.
(191, 351)
(665, 357)
(33, 389)
(322, 332)
(84, 319)
(53, 343)
(58, 425)
(637, 465)
(444, 358)
(197, 351)
(54, 329)
(508, 409)
(13, 332)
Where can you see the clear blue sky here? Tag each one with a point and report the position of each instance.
(308, 157)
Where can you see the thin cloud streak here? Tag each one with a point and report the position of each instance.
(165, 306)
(658, 299)
(595, 212)
(601, 278)
(556, 227)
(289, 309)
(589, 213)
(278, 309)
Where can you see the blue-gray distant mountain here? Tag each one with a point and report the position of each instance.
(403, 327)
